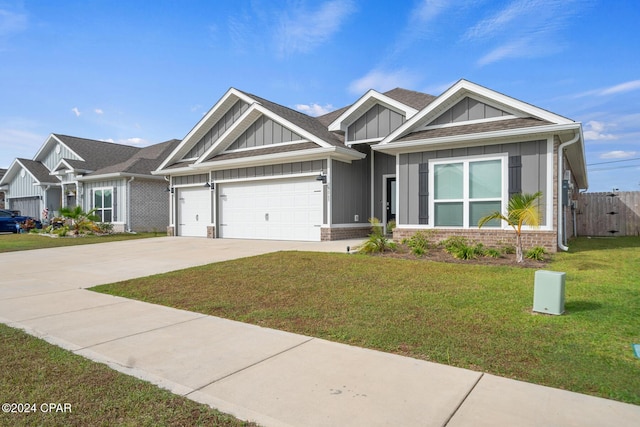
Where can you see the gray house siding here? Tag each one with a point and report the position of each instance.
(468, 109)
(52, 158)
(119, 197)
(377, 122)
(24, 196)
(533, 155)
(264, 131)
(383, 164)
(351, 190)
(271, 170)
(218, 129)
(149, 206)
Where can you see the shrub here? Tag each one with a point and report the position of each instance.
(377, 241)
(509, 249)
(104, 227)
(537, 253)
(391, 225)
(460, 248)
(418, 243)
(492, 253)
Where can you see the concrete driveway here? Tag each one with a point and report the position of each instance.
(272, 377)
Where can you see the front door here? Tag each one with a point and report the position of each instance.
(390, 200)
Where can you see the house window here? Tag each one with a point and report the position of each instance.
(466, 190)
(103, 204)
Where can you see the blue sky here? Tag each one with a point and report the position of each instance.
(142, 72)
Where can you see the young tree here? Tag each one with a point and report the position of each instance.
(80, 220)
(522, 209)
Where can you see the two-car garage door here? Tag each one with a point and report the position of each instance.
(278, 209)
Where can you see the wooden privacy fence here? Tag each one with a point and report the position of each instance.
(608, 214)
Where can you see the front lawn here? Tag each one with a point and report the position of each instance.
(471, 316)
(28, 241)
(36, 374)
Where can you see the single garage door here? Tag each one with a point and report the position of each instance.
(279, 209)
(194, 211)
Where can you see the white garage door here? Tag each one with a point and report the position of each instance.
(194, 211)
(280, 209)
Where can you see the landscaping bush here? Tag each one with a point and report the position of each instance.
(377, 241)
(418, 243)
(537, 253)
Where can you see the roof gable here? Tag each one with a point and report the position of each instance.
(36, 170)
(365, 103)
(453, 100)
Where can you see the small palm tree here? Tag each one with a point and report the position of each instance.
(80, 220)
(522, 209)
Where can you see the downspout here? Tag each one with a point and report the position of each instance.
(129, 203)
(560, 175)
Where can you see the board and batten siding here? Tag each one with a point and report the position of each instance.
(262, 132)
(217, 129)
(276, 170)
(383, 164)
(351, 190)
(53, 157)
(377, 122)
(467, 109)
(119, 198)
(22, 186)
(532, 154)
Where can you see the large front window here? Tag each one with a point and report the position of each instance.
(103, 204)
(466, 190)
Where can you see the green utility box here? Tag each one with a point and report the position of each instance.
(548, 292)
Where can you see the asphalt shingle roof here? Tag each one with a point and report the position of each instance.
(507, 124)
(98, 154)
(144, 160)
(38, 170)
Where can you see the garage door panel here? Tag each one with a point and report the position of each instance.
(194, 211)
(286, 209)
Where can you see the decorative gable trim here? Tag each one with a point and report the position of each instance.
(364, 104)
(207, 122)
(459, 91)
(49, 144)
(247, 119)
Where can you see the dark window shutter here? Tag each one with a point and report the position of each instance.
(114, 204)
(515, 175)
(423, 193)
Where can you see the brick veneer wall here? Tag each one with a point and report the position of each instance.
(492, 238)
(149, 205)
(344, 233)
(171, 231)
(211, 231)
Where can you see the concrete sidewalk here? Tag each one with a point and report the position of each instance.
(272, 377)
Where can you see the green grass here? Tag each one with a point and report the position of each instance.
(471, 316)
(29, 241)
(34, 371)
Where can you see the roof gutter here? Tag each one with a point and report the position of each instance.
(561, 148)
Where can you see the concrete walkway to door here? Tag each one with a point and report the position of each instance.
(273, 377)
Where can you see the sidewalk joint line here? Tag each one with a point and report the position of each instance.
(464, 399)
(142, 332)
(71, 311)
(250, 366)
(40, 294)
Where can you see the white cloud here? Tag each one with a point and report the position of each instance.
(76, 111)
(595, 131)
(98, 111)
(11, 23)
(300, 30)
(135, 141)
(383, 81)
(314, 109)
(621, 88)
(618, 154)
(16, 142)
(523, 28)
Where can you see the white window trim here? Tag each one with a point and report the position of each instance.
(503, 157)
(93, 202)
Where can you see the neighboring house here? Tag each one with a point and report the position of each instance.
(113, 179)
(2, 195)
(255, 169)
